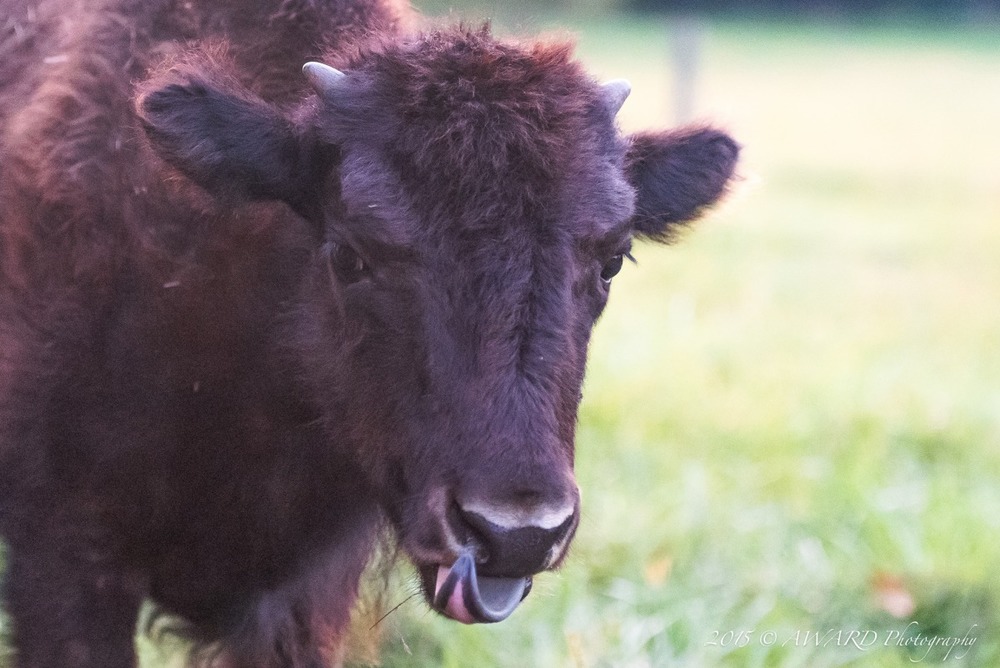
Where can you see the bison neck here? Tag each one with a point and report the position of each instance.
(197, 445)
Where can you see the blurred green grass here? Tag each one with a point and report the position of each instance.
(792, 418)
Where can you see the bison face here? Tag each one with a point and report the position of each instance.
(472, 203)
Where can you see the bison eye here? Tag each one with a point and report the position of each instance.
(611, 268)
(346, 265)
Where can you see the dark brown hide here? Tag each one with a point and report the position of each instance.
(244, 326)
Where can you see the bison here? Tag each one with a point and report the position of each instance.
(279, 278)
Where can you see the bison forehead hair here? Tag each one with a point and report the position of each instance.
(480, 131)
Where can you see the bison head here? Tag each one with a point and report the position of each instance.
(472, 201)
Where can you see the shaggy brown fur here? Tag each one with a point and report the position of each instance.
(244, 326)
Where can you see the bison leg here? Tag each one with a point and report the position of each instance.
(70, 610)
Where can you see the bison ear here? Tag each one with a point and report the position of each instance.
(228, 140)
(677, 175)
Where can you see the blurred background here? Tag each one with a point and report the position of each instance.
(791, 425)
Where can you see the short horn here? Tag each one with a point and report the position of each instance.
(615, 93)
(325, 79)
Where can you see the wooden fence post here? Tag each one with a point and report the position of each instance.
(685, 40)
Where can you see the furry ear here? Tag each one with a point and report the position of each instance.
(228, 140)
(677, 175)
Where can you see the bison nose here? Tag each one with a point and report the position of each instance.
(514, 541)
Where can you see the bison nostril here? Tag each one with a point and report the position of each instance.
(541, 516)
(505, 547)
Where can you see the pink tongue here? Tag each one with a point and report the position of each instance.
(455, 607)
(463, 595)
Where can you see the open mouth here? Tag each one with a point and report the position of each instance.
(458, 592)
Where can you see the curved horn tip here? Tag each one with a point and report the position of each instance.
(323, 78)
(615, 92)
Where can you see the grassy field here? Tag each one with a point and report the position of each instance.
(790, 442)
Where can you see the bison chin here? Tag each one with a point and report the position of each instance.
(460, 593)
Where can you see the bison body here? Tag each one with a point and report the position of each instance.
(250, 318)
